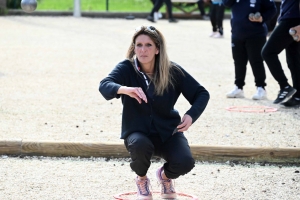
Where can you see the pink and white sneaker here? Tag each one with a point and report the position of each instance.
(143, 191)
(167, 188)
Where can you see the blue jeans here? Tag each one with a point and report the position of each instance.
(175, 151)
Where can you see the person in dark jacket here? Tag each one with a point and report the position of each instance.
(248, 36)
(149, 86)
(279, 40)
(273, 22)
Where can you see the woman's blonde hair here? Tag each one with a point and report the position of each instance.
(163, 77)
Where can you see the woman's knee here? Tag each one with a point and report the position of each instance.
(187, 165)
(138, 142)
(180, 168)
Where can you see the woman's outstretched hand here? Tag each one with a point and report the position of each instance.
(134, 92)
(185, 124)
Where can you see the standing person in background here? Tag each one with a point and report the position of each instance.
(157, 15)
(247, 39)
(201, 8)
(273, 22)
(217, 11)
(279, 40)
(149, 85)
(158, 4)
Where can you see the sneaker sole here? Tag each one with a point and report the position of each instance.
(263, 98)
(236, 97)
(288, 106)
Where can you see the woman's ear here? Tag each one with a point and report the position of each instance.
(157, 51)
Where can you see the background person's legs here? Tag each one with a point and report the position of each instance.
(273, 48)
(240, 57)
(201, 8)
(220, 17)
(280, 39)
(213, 17)
(254, 47)
(293, 62)
(157, 5)
(169, 10)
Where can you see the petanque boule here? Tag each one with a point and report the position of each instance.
(251, 16)
(257, 15)
(28, 5)
(292, 31)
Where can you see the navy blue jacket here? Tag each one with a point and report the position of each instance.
(289, 10)
(242, 27)
(160, 109)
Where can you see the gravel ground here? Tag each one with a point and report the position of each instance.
(97, 178)
(49, 76)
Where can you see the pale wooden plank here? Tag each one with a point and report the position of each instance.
(49, 148)
(205, 153)
(256, 154)
(10, 147)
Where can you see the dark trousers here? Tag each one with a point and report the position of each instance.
(200, 4)
(175, 151)
(216, 16)
(279, 40)
(158, 4)
(248, 50)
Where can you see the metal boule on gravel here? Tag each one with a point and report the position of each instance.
(28, 5)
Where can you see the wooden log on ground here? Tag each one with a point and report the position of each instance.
(10, 147)
(74, 149)
(251, 154)
(201, 153)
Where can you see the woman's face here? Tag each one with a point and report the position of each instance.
(145, 49)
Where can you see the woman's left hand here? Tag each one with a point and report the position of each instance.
(186, 122)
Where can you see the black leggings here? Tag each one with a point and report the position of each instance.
(244, 50)
(216, 17)
(278, 41)
(175, 151)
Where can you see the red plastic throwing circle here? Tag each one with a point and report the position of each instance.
(253, 109)
(126, 195)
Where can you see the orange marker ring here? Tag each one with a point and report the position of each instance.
(122, 196)
(253, 109)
